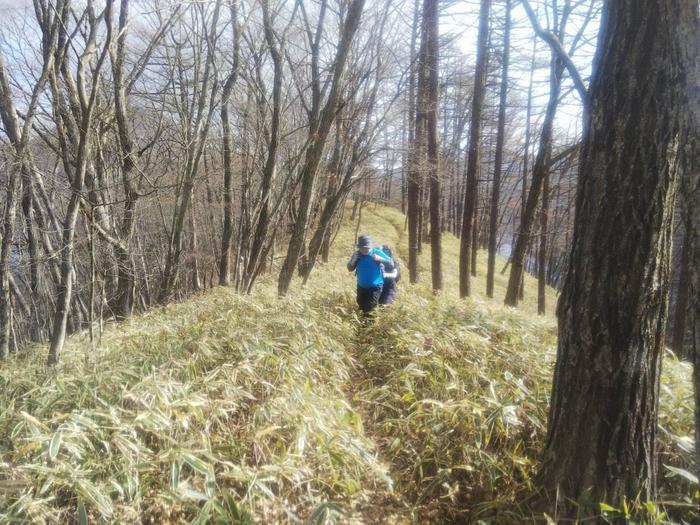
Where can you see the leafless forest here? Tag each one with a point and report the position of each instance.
(151, 149)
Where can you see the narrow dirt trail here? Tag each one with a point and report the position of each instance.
(390, 507)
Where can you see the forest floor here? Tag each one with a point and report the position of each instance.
(252, 409)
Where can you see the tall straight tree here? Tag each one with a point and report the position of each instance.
(465, 241)
(542, 252)
(498, 160)
(416, 124)
(690, 208)
(601, 439)
(430, 87)
(682, 297)
(227, 234)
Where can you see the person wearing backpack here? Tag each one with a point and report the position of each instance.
(392, 274)
(367, 263)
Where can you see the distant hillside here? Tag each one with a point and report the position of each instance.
(252, 409)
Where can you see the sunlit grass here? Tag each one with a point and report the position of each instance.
(254, 409)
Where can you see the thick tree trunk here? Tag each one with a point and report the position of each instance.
(692, 348)
(470, 196)
(601, 440)
(498, 161)
(690, 208)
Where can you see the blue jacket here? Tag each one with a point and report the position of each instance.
(368, 271)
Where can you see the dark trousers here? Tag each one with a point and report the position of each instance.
(388, 294)
(368, 298)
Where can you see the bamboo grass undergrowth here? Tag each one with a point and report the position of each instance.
(253, 409)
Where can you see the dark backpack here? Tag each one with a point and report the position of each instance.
(387, 250)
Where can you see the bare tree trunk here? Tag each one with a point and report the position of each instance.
(194, 250)
(8, 111)
(498, 161)
(19, 166)
(227, 234)
(681, 307)
(470, 195)
(542, 254)
(257, 248)
(8, 226)
(430, 36)
(415, 140)
(539, 173)
(313, 154)
(475, 236)
(78, 168)
(202, 120)
(601, 439)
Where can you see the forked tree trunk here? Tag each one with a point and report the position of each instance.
(601, 440)
(315, 150)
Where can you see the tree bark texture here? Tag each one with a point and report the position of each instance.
(315, 150)
(601, 440)
(430, 35)
(465, 244)
(498, 160)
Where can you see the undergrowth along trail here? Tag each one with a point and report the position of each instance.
(256, 409)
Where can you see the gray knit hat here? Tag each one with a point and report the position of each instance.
(364, 241)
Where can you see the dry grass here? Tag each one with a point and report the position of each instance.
(251, 409)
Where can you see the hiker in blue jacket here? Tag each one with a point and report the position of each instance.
(367, 263)
(391, 277)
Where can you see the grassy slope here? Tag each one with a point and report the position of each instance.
(286, 410)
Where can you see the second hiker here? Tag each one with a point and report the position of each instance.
(391, 277)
